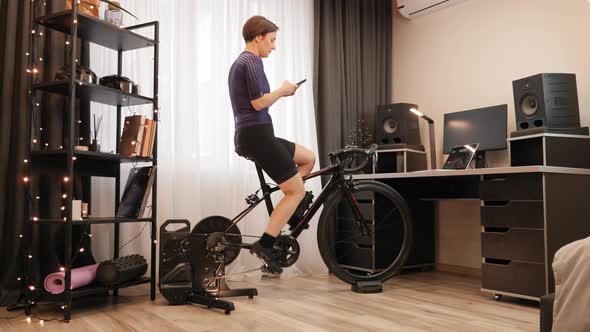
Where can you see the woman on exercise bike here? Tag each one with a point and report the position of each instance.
(284, 161)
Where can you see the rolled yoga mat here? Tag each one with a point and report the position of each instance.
(55, 283)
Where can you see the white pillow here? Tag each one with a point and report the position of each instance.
(571, 268)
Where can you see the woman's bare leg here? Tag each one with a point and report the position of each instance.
(304, 158)
(294, 193)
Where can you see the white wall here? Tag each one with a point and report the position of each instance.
(466, 57)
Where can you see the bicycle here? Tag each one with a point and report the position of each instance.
(354, 214)
(359, 219)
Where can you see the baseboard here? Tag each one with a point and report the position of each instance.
(460, 270)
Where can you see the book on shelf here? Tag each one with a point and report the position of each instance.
(149, 134)
(137, 139)
(153, 128)
(147, 195)
(132, 135)
(136, 193)
(145, 139)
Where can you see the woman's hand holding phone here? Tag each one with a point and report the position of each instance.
(288, 88)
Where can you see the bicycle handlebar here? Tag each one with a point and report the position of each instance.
(349, 156)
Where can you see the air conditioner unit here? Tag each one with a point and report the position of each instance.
(414, 8)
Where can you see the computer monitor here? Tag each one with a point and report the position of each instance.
(485, 126)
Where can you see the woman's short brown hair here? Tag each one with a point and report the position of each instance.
(257, 25)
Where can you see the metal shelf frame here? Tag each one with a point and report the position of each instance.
(88, 28)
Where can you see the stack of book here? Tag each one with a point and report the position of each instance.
(137, 139)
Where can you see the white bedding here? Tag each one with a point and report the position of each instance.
(571, 267)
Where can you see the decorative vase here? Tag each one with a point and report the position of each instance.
(94, 146)
(113, 14)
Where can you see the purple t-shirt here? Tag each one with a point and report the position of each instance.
(248, 82)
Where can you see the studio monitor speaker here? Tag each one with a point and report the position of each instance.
(395, 123)
(546, 100)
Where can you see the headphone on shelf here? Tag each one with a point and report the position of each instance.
(83, 73)
(120, 83)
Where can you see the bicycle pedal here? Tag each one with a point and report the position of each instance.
(262, 260)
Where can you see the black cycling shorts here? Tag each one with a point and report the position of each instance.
(273, 154)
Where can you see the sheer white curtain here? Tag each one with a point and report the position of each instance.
(199, 174)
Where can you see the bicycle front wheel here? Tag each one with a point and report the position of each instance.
(372, 247)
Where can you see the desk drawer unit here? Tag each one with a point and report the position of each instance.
(508, 187)
(513, 277)
(513, 234)
(513, 214)
(525, 245)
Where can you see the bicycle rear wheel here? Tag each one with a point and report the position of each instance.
(373, 248)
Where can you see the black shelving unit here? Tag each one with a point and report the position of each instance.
(86, 221)
(85, 163)
(94, 289)
(94, 92)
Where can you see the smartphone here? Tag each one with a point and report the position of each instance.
(301, 82)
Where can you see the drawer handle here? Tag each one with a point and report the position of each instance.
(496, 179)
(496, 203)
(497, 261)
(496, 229)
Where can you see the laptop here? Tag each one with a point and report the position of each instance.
(460, 157)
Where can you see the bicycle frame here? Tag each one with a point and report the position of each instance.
(336, 182)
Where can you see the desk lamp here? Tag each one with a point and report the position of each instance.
(430, 134)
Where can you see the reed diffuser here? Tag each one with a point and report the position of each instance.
(94, 146)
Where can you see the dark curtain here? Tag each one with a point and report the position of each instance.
(353, 47)
(45, 242)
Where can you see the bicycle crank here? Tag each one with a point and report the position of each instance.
(286, 250)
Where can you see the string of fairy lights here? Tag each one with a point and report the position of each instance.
(28, 283)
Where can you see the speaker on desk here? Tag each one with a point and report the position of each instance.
(546, 100)
(395, 123)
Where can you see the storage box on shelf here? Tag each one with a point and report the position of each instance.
(83, 163)
(548, 149)
(395, 158)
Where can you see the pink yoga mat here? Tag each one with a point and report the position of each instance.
(55, 283)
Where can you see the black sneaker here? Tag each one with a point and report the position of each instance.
(265, 255)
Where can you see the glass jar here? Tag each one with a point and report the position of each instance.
(114, 15)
